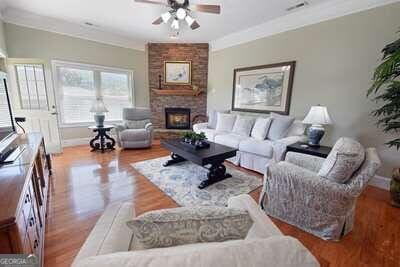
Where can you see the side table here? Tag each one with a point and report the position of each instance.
(102, 141)
(320, 151)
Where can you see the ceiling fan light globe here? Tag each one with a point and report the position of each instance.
(166, 17)
(175, 24)
(181, 13)
(189, 20)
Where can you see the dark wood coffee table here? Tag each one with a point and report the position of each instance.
(215, 156)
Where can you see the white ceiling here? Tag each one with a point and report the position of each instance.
(134, 20)
(126, 21)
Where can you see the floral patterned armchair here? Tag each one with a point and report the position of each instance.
(294, 192)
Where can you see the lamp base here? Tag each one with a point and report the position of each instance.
(315, 134)
(99, 119)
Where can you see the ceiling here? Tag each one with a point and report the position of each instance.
(134, 20)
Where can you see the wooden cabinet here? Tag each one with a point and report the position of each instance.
(24, 187)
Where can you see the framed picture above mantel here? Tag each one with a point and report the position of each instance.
(263, 89)
(177, 72)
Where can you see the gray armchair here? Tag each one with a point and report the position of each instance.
(295, 192)
(136, 131)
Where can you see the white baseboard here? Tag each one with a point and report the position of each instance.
(75, 142)
(380, 182)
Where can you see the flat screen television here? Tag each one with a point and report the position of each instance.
(7, 127)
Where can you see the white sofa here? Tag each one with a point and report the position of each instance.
(265, 245)
(253, 154)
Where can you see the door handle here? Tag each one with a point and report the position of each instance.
(54, 113)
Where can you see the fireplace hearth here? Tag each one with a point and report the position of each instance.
(177, 118)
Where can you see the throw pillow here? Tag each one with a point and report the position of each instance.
(243, 125)
(346, 157)
(260, 129)
(279, 126)
(225, 122)
(212, 118)
(136, 124)
(188, 225)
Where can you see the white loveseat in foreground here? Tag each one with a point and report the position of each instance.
(253, 154)
(265, 245)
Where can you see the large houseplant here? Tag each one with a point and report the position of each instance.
(386, 91)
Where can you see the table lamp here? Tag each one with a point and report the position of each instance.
(317, 117)
(99, 109)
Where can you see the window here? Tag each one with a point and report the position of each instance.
(32, 86)
(80, 84)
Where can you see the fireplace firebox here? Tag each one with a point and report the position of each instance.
(177, 118)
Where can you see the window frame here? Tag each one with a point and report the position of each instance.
(97, 69)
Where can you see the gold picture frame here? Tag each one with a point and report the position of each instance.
(177, 72)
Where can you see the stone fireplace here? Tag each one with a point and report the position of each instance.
(177, 118)
(170, 96)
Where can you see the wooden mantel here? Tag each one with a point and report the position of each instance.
(184, 92)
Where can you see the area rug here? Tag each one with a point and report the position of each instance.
(180, 182)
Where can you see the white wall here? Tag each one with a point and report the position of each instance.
(23, 42)
(335, 62)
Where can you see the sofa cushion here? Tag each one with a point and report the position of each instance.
(262, 148)
(231, 140)
(225, 122)
(134, 135)
(296, 129)
(346, 157)
(139, 124)
(179, 226)
(212, 133)
(243, 125)
(261, 127)
(279, 126)
(213, 116)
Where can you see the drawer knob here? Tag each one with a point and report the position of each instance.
(27, 198)
(31, 221)
(35, 244)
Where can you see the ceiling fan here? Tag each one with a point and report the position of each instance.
(180, 10)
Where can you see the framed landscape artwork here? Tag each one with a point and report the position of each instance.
(178, 72)
(265, 89)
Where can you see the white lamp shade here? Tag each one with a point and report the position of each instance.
(98, 107)
(175, 24)
(318, 115)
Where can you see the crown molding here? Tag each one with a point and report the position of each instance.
(303, 17)
(30, 20)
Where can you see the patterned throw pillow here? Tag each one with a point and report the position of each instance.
(188, 225)
(346, 157)
(136, 124)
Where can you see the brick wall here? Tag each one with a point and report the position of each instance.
(160, 52)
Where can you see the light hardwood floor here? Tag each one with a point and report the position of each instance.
(84, 183)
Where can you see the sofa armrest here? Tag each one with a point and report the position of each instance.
(198, 127)
(149, 127)
(309, 162)
(280, 146)
(120, 127)
(110, 234)
(263, 227)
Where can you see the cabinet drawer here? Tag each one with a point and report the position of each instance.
(27, 203)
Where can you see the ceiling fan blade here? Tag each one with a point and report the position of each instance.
(158, 21)
(206, 8)
(195, 25)
(155, 2)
